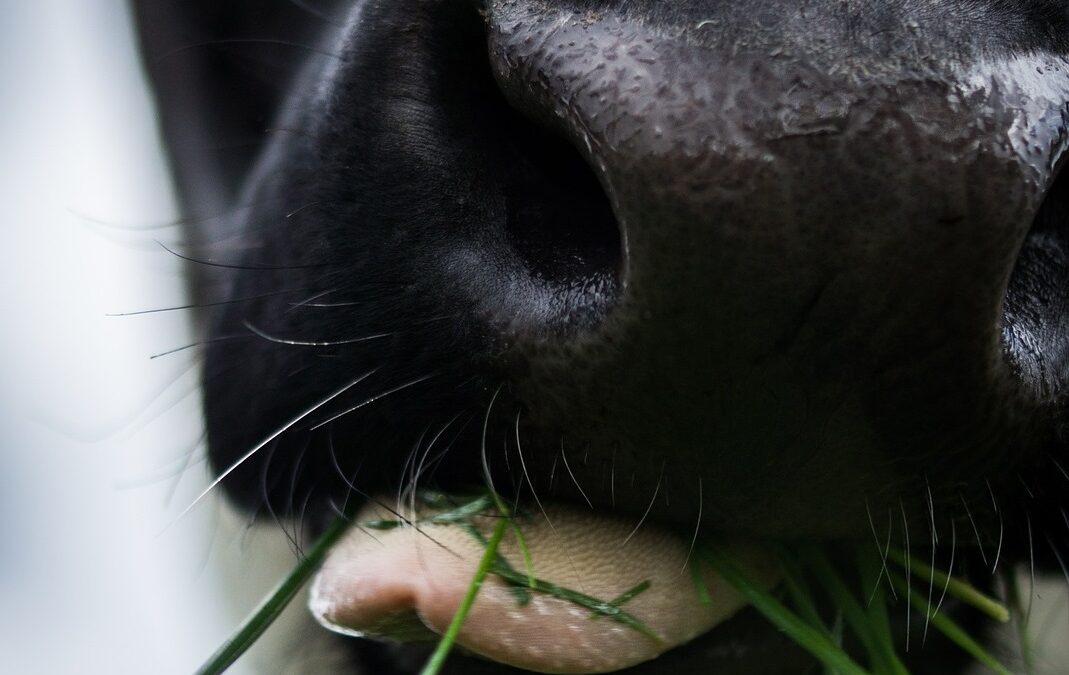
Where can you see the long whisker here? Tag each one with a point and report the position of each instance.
(314, 343)
(975, 529)
(523, 465)
(406, 385)
(311, 301)
(1060, 468)
(649, 508)
(883, 553)
(1001, 529)
(198, 343)
(950, 567)
(697, 527)
(931, 580)
(429, 465)
(202, 305)
(207, 262)
(406, 489)
(485, 459)
(272, 436)
(569, 468)
(909, 586)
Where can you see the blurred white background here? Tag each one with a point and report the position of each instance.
(93, 432)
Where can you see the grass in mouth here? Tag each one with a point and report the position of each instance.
(867, 619)
(807, 575)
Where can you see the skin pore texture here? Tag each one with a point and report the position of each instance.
(673, 271)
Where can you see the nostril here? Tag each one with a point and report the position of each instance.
(559, 219)
(1035, 320)
(554, 245)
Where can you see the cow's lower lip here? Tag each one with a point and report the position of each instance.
(406, 583)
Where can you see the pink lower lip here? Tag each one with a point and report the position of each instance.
(404, 584)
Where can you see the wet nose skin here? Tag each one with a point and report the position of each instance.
(818, 211)
(815, 258)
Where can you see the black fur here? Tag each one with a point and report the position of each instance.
(807, 260)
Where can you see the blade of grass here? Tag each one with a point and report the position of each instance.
(836, 637)
(701, 591)
(630, 594)
(525, 552)
(870, 569)
(800, 593)
(600, 607)
(949, 628)
(264, 615)
(519, 591)
(802, 598)
(445, 645)
(626, 596)
(811, 639)
(460, 514)
(881, 652)
(521, 542)
(961, 590)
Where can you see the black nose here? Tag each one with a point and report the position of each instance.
(769, 284)
(812, 271)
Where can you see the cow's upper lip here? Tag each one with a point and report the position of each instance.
(399, 583)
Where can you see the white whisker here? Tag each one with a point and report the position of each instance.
(975, 529)
(272, 436)
(883, 552)
(569, 468)
(697, 527)
(376, 397)
(950, 567)
(1001, 529)
(909, 582)
(486, 425)
(649, 508)
(523, 465)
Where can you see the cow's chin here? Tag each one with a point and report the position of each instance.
(608, 594)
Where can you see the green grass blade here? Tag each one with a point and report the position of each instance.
(264, 615)
(870, 569)
(959, 589)
(837, 628)
(462, 513)
(459, 514)
(625, 597)
(521, 541)
(800, 593)
(881, 651)
(701, 591)
(449, 638)
(600, 607)
(802, 599)
(947, 627)
(809, 638)
(630, 594)
(525, 553)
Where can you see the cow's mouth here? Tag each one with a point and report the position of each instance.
(607, 594)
